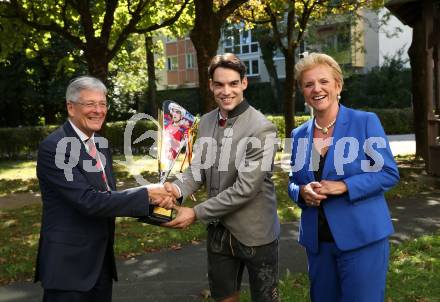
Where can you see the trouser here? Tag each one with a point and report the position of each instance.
(345, 276)
(227, 258)
(102, 291)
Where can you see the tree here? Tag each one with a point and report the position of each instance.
(33, 82)
(98, 28)
(210, 16)
(288, 21)
(152, 87)
(268, 47)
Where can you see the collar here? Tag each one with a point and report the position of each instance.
(220, 116)
(81, 134)
(239, 109)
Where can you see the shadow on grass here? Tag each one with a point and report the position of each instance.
(8, 186)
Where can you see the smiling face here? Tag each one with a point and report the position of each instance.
(88, 119)
(320, 88)
(227, 88)
(176, 115)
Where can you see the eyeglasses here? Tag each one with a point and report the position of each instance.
(93, 105)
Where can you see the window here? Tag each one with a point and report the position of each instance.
(189, 59)
(239, 41)
(172, 63)
(335, 38)
(336, 41)
(252, 67)
(170, 39)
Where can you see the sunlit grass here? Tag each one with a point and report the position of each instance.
(19, 233)
(412, 276)
(19, 229)
(414, 271)
(11, 170)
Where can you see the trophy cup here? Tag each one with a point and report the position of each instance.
(178, 127)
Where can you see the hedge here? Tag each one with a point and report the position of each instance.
(258, 95)
(22, 143)
(394, 121)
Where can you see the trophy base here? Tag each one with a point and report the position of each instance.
(158, 215)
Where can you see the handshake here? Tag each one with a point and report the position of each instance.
(165, 196)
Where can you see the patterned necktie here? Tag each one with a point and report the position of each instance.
(94, 153)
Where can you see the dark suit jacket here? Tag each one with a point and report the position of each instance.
(360, 216)
(78, 213)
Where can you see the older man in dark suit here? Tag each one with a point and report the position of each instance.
(75, 259)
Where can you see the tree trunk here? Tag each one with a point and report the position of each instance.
(289, 92)
(268, 46)
(206, 49)
(420, 111)
(98, 67)
(50, 112)
(97, 63)
(152, 87)
(205, 37)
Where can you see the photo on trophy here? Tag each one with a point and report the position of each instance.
(177, 134)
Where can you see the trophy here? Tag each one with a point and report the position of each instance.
(178, 127)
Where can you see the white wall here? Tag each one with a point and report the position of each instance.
(388, 46)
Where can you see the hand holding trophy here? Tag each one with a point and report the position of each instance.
(161, 197)
(177, 132)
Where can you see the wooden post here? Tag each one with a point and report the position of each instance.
(436, 45)
(431, 85)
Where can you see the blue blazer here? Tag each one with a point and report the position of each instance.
(78, 214)
(361, 215)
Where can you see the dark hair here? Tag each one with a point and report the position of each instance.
(227, 60)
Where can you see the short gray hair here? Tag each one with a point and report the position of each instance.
(83, 83)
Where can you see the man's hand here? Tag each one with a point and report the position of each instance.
(172, 188)
(311, 195)
(161, 197)
(330, 187)
(185, 217)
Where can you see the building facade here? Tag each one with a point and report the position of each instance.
(357, 45)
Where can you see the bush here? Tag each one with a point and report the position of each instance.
(278, 121)
(259, 95)
(114, 132)
(22, 142)
(387, 86)
(189, 98)
(394, 121)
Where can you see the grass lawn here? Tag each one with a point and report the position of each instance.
(411, 275)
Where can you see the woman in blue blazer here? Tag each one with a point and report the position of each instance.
(341, 166)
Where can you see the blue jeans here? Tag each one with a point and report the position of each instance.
(227, 258)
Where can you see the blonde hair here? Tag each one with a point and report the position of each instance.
(314, 59)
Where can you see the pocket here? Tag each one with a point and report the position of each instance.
(246, 251)
(217, 238)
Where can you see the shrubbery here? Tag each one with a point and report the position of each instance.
(387, 86)
(23, 142)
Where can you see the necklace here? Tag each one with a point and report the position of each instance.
(324, 129)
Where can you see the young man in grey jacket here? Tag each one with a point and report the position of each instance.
(233, 158)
